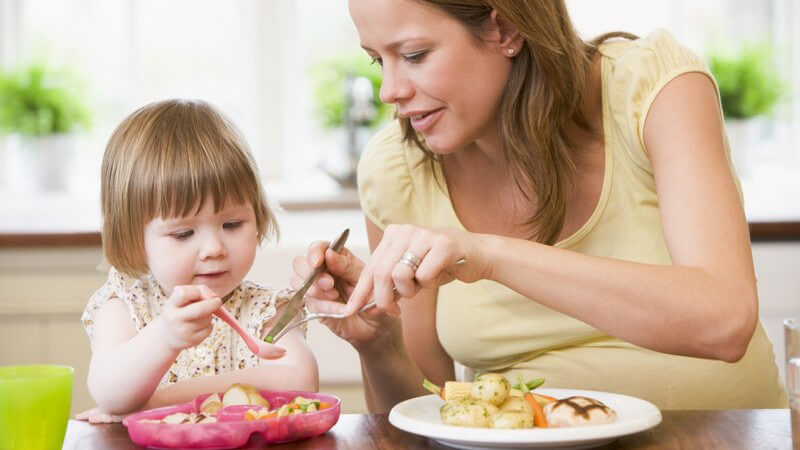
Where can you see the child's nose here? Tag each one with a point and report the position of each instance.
(213, 247)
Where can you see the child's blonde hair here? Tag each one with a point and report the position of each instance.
(163, 161)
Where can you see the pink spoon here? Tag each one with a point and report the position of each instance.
(258, 347)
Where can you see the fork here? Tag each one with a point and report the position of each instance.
(318, 315)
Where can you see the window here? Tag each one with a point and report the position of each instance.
(251, 58)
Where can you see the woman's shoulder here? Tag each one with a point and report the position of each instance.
(635, 71)
(390, 174)
(658, 48)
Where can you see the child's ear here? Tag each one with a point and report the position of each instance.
(509, 39)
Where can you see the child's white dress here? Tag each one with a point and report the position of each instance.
(252, 304)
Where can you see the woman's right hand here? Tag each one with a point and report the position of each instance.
(331, 289)
(186, 319)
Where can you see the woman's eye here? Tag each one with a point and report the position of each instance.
(377, 60)
(183, 234)
(415, 57)
(232, 224)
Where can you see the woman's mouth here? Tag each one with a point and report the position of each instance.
(424, 121)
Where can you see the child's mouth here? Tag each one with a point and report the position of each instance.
(210, 275)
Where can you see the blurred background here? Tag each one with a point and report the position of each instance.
(292, 76)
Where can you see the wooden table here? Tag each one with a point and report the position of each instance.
(733, 429)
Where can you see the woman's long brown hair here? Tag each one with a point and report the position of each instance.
(543, 97)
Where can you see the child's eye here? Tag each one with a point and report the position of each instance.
(183, 234)
(415, 57)
(232, 224)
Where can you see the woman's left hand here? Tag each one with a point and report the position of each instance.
(410, 258)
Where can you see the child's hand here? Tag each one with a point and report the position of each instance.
(97, 415)
(186, 318)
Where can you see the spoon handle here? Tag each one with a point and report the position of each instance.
(223, 314)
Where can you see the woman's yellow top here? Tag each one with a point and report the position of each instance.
(489, 327)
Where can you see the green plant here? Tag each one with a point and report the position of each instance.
(748, 83)
(38, 100)
(328, 79)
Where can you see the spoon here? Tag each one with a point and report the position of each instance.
(259, 348)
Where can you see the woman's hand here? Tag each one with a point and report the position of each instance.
(186, 319)
(331, 290)
(409, 258)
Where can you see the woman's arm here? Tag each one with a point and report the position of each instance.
(393, 370)
(705, 303)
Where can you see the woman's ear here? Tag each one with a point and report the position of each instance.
(509, 40)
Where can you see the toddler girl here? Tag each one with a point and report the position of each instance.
(183, 213)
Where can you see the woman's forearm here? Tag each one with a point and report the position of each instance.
(122, 379)
(669, 308)
(389, 373)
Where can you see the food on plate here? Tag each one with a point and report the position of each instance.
(183, 418)
(243, 394)
(237, 394)
(491, 402)
(490, 388)
(211, 404)
(578, 411)
(299, 405)
(468, 413)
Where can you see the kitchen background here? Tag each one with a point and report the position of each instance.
(292, 76)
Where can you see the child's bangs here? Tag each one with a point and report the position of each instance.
(221, 174)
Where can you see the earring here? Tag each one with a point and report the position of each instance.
(510, 51)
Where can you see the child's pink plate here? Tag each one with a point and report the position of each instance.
(231, 430)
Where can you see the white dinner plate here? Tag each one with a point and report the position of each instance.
(420, 416)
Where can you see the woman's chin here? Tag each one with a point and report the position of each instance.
(441, 146)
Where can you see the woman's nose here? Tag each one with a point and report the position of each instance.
(395, 86)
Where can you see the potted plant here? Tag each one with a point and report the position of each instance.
(749, 88)
(40, 111)
(347, 105)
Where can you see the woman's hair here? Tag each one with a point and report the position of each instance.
(164, 160)
(542, 99)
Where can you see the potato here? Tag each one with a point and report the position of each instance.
(211, 404)
(243, 394)
(491, 388)
(467, 413)
(236, 395)
(512, 419)
(517, 404)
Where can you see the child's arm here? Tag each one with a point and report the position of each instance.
(127, 366)
(297, 370)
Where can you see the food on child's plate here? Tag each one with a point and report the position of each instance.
(299, 405)
(491, 402)
(578, 411)
(237, 394)
(211, 404)
(243, 394)
(181, 418)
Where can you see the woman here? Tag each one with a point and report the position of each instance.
(550, 207)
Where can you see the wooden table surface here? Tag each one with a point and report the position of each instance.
(732, 429)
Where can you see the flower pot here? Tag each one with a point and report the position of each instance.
(39, 164)
(744, 140)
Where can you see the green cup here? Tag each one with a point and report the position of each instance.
(34, 406)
